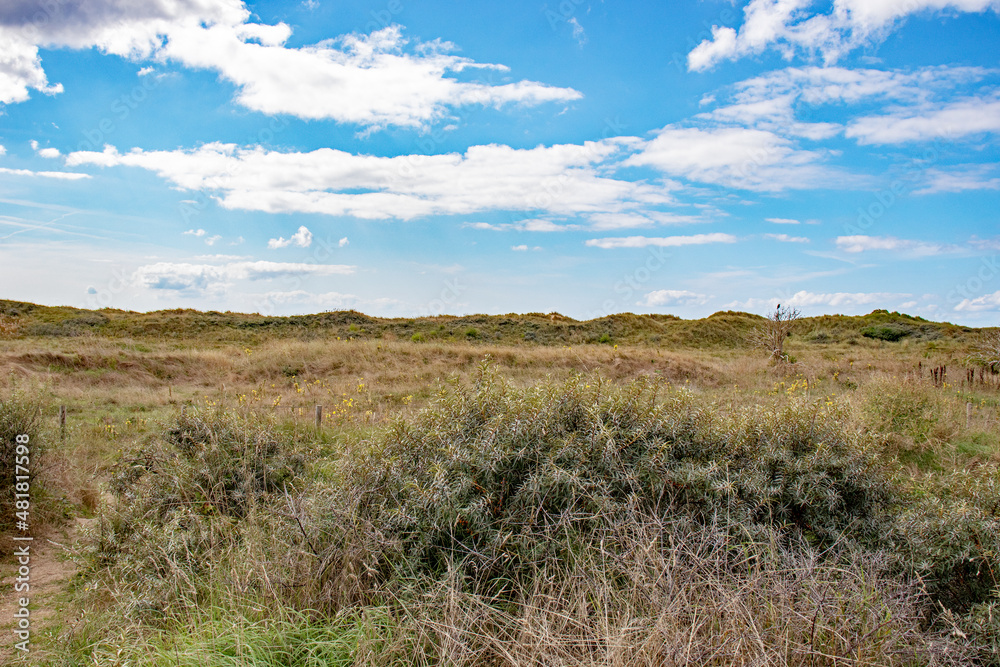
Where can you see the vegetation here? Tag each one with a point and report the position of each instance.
(770, 334)
(522, 500)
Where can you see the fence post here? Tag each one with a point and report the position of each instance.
(319, 416)
(968, 415)
(62, 422)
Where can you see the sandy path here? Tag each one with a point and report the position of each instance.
(50, 570)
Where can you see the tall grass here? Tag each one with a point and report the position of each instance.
(574, 521)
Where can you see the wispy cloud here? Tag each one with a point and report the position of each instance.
(214, 277)
(662, 241)
(785, 238)
(804, 298)
(860, 243)
(60, 175)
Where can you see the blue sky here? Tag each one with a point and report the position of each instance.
(414, 158)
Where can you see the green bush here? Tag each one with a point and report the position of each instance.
(185, 504)
(498, 480)
(889, 332)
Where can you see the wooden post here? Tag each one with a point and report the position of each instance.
(319, 416)
(62, 422)
(968, 415)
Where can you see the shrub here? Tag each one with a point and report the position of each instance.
(889, 332)
(186, 502)
(20, 415)
(417, 337)
(498, 480)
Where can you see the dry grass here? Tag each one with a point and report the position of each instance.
(638, 603)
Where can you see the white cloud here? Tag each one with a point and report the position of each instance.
(524, 248)
(782, 221)
(860, 243)
(949, 120)
(960, 178)
(670, 297)
(789, 26)
(302, 238)
(3, 151)
(195, 232)
(130, 29)
(213, 277)
(979, 304)
(211, 240)
(664, 241)
(342, 242)
(373, 80)
(561, 180)
(62, 175)
(370, 80)
(605, 221)
(805, 299)
(737, 157)
(785, 238)
(770, 101)
(579, 34)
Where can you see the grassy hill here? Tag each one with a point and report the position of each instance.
(727, 329)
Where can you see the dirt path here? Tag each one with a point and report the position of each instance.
(50, 569)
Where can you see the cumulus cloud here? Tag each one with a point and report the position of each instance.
(49, 153)
(663, 241)
(790, 27)
(979, 304)
(342, 242)
(302, 238)
(782, 221)
(670, 297)
(563, 179)
(195, 232)
(374, 80)
(130, 29)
